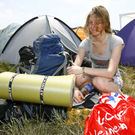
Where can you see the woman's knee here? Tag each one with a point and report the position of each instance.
(81, 82)
(99, 83)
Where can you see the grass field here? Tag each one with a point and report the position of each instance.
(60, 126)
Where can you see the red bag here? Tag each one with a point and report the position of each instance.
(115, 115)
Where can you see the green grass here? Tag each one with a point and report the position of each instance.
(128, 77)
(37, 126)
(59, 126)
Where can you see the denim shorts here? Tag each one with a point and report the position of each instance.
(117, 79)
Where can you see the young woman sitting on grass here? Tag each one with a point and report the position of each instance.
(104, 50)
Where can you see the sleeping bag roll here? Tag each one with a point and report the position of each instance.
(51, 90)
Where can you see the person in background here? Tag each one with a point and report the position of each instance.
(104, 50)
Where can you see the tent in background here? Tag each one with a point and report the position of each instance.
(129, 15)
(127, 33)
(6, 34)
(79, 31)
(34, 28)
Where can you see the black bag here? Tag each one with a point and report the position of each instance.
(27, 60)
(17, 110)
(21, 110)
(3, 106)
(26, 53)
(90, 100)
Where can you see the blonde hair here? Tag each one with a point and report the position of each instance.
(103, 14)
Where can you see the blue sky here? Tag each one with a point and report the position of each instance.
(72, 12)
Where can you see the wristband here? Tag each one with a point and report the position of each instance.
(83, 71)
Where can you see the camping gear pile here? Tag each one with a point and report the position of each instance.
(42, 46)
(46, 57)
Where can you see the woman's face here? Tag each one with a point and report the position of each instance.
(95, 25)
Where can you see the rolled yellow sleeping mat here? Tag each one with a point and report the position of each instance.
(51, 90)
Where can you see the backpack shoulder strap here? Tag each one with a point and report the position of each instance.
(14, 67)
(64, 64)
(28, 71)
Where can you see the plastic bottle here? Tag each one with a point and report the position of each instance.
(85, 90)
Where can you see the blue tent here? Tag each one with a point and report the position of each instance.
(127, 33)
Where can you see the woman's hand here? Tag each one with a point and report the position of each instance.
(78, 96)
(74, 69)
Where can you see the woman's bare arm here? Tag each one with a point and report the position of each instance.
(80, 56)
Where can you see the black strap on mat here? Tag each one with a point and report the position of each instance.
(42, 89)
(10, 86)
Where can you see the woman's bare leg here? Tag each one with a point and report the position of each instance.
(105, 85)
(81, 81)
